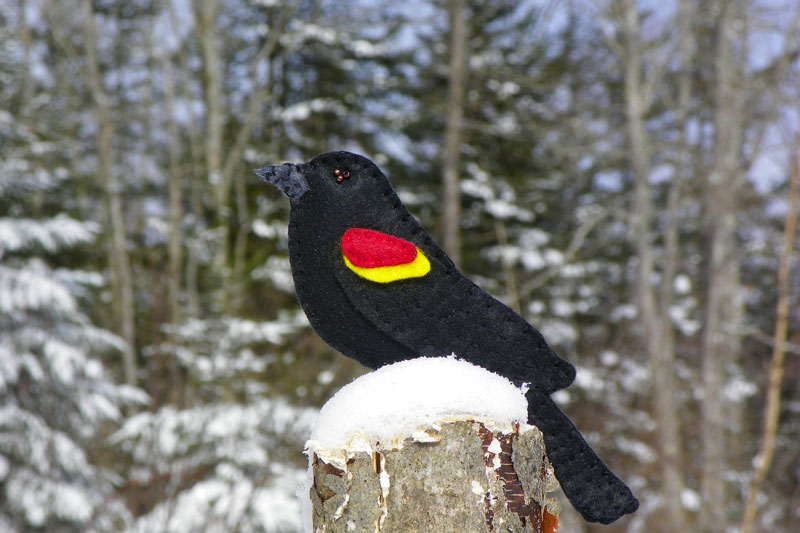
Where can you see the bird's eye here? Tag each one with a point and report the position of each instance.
(341, 175)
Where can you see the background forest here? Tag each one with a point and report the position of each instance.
(617, 171)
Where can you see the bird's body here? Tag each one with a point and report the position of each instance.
(376, 287)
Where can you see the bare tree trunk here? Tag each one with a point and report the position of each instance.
(671, 238)
(658, 332)
(509, 277)
(192, 306)
(721, 337)
(192, 262)
(174, 247)
(148, 98)
(451, 161)
(26, 92)
(278, 83)
(240, 242)
(772, 407)
(233, 160)
(121, 278)
(206, 17)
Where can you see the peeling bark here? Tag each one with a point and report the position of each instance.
(462, 477)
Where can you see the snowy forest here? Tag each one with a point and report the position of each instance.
(622, 173)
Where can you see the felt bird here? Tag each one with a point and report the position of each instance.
(376, 287)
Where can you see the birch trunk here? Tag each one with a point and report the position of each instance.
(206, 19)
(658, 332)
(686, 14)
(451, 160)
(776, 370)
(121, 278)
(721, 337)
(175, 246)
(182, 91)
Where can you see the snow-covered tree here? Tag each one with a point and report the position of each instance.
(228, 458)
(197, 94)
(217, 467)
(57, 396)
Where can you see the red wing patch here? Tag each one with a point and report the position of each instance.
(366, 248)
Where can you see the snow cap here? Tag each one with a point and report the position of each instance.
(398, 400)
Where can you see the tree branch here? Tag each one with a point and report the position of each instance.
(772, 407)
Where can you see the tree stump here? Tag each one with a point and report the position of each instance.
(457, 476)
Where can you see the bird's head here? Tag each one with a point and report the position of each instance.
(340, 178)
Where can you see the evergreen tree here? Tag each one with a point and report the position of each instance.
(197, 94)
(57, 395)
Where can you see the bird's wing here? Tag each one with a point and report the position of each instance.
(437, 311)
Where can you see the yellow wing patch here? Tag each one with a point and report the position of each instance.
(386, 274)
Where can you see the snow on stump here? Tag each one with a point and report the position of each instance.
(433, 445)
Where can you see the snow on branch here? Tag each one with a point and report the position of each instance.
(51, 235)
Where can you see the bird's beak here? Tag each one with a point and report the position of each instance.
(287, 177)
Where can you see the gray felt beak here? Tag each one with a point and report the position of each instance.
(287, 177)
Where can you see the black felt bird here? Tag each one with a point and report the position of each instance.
(376, 287)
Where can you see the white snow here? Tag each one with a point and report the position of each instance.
(738, 389)
(682, 284)
(476, 189)
(681, 316)
(588, 380)
(638, 449)
(18, 234)
(33, 289)
(278, 270)
(303, 110)
(504, 210)
(532, 260)
(609, 357)
(558, 332)
(690, 500)
(269, 231)
(229, 501)
(624, 312)
(397, 400)
(362, 48)
(325, 377)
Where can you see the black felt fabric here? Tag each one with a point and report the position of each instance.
(437, 314)
(591, 487)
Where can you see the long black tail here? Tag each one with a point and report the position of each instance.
(594, 491)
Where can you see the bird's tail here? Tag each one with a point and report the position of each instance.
(594, 491)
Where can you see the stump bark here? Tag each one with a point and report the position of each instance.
(458, 476)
